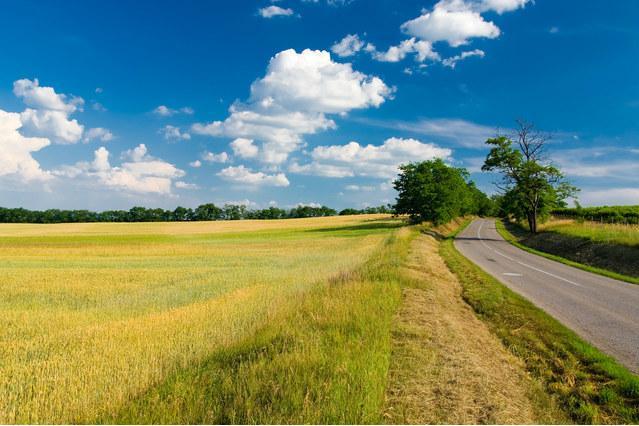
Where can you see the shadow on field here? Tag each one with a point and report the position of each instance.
(375, 224)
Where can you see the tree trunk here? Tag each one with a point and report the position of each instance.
(532, 221)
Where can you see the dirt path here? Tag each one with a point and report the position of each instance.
(446, 366)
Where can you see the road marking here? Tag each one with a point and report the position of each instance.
(512, 274)
(481, 224)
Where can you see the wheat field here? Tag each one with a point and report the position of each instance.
(95, 315)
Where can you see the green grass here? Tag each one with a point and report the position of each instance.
(598, 232)
(324, 362)
(590, 386)
(588, 233)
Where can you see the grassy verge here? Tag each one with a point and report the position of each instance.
(325, 361)
(447, 367)
(508, 236)
(590, 386)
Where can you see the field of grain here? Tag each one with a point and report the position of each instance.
(95, 317)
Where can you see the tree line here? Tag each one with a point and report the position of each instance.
(204, 212)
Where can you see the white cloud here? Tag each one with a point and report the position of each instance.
(99, 133)
(174, 133)
(16, 159)
(244, 148)
(210, 157)
(52, 124)
(39, 97)
(422, 49)
(320, 169)
(195, 164)
(359, 188)
(138, 153)
(244, 176)
(165, 111)
(502, 6)
(273, 11)
(312, 81)
(458, 21)
(380, 161)
(48, 112)
(293, 99)
(452, 21)
(460, 132)
(184, 185)
(452, 61)
(141, 174)
(348, 46)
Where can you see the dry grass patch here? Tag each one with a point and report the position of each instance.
(447, 367)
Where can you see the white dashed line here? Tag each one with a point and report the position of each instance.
(481, 224)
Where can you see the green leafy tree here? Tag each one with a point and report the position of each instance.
(531, 187)
(433, 191)
(207, 211)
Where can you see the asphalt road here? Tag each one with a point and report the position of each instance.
(603, 311)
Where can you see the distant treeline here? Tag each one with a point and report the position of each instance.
(204, 212)
(605, 214)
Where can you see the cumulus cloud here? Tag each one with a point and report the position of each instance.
(452, 22)
(348, 46)
(380, 161)
(98, 133)
(39, 97)
(452, 61)
(352, 44)
(210, 157)
(423, 50)
(501, 6)
(48, 112)
(293, 99)
(458, 21)
(173, 133)
(244, 148)
(273, 11)
(165, 111)
(140, 173)
(245, 176)
(16, 159)
(195, 164)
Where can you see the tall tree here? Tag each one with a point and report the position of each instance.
(530, 185)
(433, 191)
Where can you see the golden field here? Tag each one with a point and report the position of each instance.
(94, 315)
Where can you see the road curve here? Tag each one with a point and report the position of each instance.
(603, 311)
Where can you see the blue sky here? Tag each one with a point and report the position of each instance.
(110, 105)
